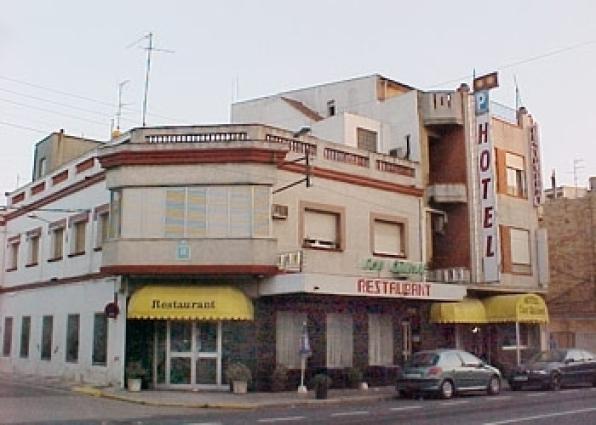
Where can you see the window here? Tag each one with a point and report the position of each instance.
(340, 340)
(77, 241)
(102, 229)
(367, 139)
(7, 339)
(72, 338)
(469, 359)
(218, 212)
(288, 329)
(388, 238)
(331, 108)
(100, 339)
(47, 329)
(41, 169)
(13, 254)
(322, 226)
(516, 175)
(33, 244)
(380, 340)
(115, 213)
(25, 336)
(520, 251)
(57, 240)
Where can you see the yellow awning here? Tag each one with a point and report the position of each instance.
(523, 308)
(468, 310)
(174, 302)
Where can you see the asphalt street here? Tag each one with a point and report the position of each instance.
(31, 405)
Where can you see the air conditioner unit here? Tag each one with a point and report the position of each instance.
(290, 261)
(396, 152)
(279, 211)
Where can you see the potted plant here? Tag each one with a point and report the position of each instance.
(134, 376)
(355, 378)
(279, 379)
(239, 376)
(321, 384)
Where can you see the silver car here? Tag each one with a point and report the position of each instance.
(446, 372)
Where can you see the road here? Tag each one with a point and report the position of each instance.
(26, 404)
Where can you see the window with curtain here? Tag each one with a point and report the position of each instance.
(218, 212)
(100, 340)
(72, 338)
(47, 330)
(101, 229)
(25, 336)
(516, 175)
(115, 213)
(380, 340)
(388, 238)
(288, 329)
(321, 229)
(57, 243)
(340, 340)
(13, 256)
(7, 337)
(77, 244)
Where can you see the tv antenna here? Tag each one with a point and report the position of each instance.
(150, 48)
(120, 104)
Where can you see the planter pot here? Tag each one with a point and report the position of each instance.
(321, 392)
(239, 387)
(134, 384)
(363, 386)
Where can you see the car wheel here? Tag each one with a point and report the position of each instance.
(555, 382)
(494, 385)
(446, 390)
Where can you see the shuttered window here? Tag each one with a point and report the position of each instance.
(321, 229)
(520, 246)
(367, 139)
(388, 238)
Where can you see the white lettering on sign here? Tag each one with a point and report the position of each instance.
(486, 184)
(536, 166)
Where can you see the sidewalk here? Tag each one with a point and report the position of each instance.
(228, 400)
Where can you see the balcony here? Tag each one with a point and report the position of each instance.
(442, 108)
(447, 193)
(150, 256)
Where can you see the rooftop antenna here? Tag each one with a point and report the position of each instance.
(518, 100)
(120, 104)
(149, 49)
(576, 167)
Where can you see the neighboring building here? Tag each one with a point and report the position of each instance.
(571, 224)
(190, 247)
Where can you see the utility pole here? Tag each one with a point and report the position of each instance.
(120, 104)
(149, 49)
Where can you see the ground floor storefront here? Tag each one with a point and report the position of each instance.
(573, 331)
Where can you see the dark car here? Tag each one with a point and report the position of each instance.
(554, 369)
(445, 372)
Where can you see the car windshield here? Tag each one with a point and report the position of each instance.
(548, 356)
(424, 359)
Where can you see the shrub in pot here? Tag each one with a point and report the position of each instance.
(279, 379)
(134, 376)
(321, 383)
(239, 376)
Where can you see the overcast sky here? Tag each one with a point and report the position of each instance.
(61, 62)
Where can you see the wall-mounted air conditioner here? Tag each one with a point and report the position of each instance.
(279, 212)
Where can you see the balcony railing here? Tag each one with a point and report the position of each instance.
(347, 157)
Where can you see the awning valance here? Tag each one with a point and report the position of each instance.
(175, 302)
(523, 308)
(469, 310)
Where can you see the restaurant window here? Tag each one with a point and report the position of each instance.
(7, 337)
(516, 175)
(380, 340)
(288, 330)
(322, 227)
(218, 212)
(100, 339)
(72, 338)
(33, 247)
(340, 340)
(57, 242)
(367, 139)
(388, 238)
(47, 329)
(25, 336)
(115, 213)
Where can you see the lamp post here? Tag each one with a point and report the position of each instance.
(305, 352)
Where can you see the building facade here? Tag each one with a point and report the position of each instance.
(571, 224)
(188, 248)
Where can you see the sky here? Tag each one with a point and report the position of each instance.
(61, 63)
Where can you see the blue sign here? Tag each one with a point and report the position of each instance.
(482, 102)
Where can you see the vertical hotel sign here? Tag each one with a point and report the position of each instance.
(486, 177)
(536, 167)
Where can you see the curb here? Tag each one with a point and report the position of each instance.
(96, 392)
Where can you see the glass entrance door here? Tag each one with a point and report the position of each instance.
(193, 356)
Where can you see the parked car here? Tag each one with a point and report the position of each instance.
(446, 372)
(556, 368)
